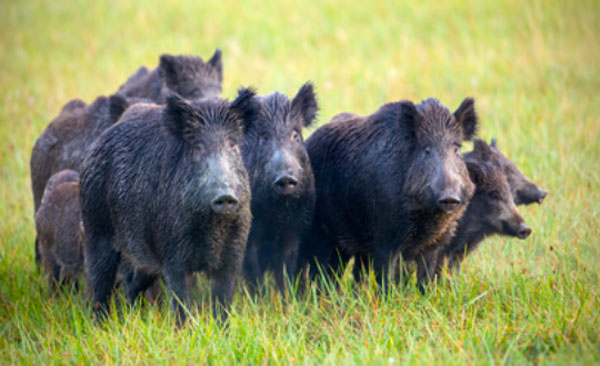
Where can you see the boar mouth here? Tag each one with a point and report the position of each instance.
(543, 194)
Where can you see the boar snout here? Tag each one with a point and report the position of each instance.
(541, 195)
(287, 169)
(523, 231)
(225, 204)
(448, 202)
(286, 183)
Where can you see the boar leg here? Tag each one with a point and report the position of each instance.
(102, 262)
(316, 254)
(361, 267)
(38, 256)
(223, 286)
(285, 263)
(427, 268)
(384, 265)
(224, 279)
(138, 283)
(54, 277)
(454, 264)
(252, 270)
(175, 281)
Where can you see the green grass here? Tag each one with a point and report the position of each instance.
(533, 67)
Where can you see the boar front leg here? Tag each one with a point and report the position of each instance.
(175, 281)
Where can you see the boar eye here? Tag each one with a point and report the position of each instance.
(231, 145)
(495, 195)
(427, 151)
(457, 147)
(295, 136)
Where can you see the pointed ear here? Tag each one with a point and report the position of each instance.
(466, 117)
(476, 172)
(481, 150)
(409, 114)
(494, 143)
(246, 107)
(305, 104)
(168, 69)
(117, 104)
(179, 114)
(216, 61)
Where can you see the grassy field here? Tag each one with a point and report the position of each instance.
(533, 67)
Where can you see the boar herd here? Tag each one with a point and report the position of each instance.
(164, 179)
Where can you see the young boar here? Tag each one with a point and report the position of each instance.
(59, 231)
(491, 211)
(188, 76)
(282, 183)
(389, 184)
(166, 189)
(523, 190)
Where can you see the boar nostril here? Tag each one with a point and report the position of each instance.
(224, 204)
(286, 183)
(524, 231)
(448, 203)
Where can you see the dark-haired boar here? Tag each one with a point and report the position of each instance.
(189, 76)
(388, 184)
(166, 189)
(282, 183)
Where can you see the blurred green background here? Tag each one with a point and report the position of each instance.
(533, 68)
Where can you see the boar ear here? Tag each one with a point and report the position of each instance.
(117, 104)
(494, 143)
(305, 104)
(481, 150)
(476, 172)
(409, 114)
(245, 106)
(178, 114)
(168, 68)
(466, 117)
(216, 61)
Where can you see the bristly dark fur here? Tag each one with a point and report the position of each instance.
(186, 118)
(378, 181)
(274, 148)
(188, 76)
(67, 140)
(148, 190)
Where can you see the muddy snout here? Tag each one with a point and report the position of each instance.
(225, 204)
